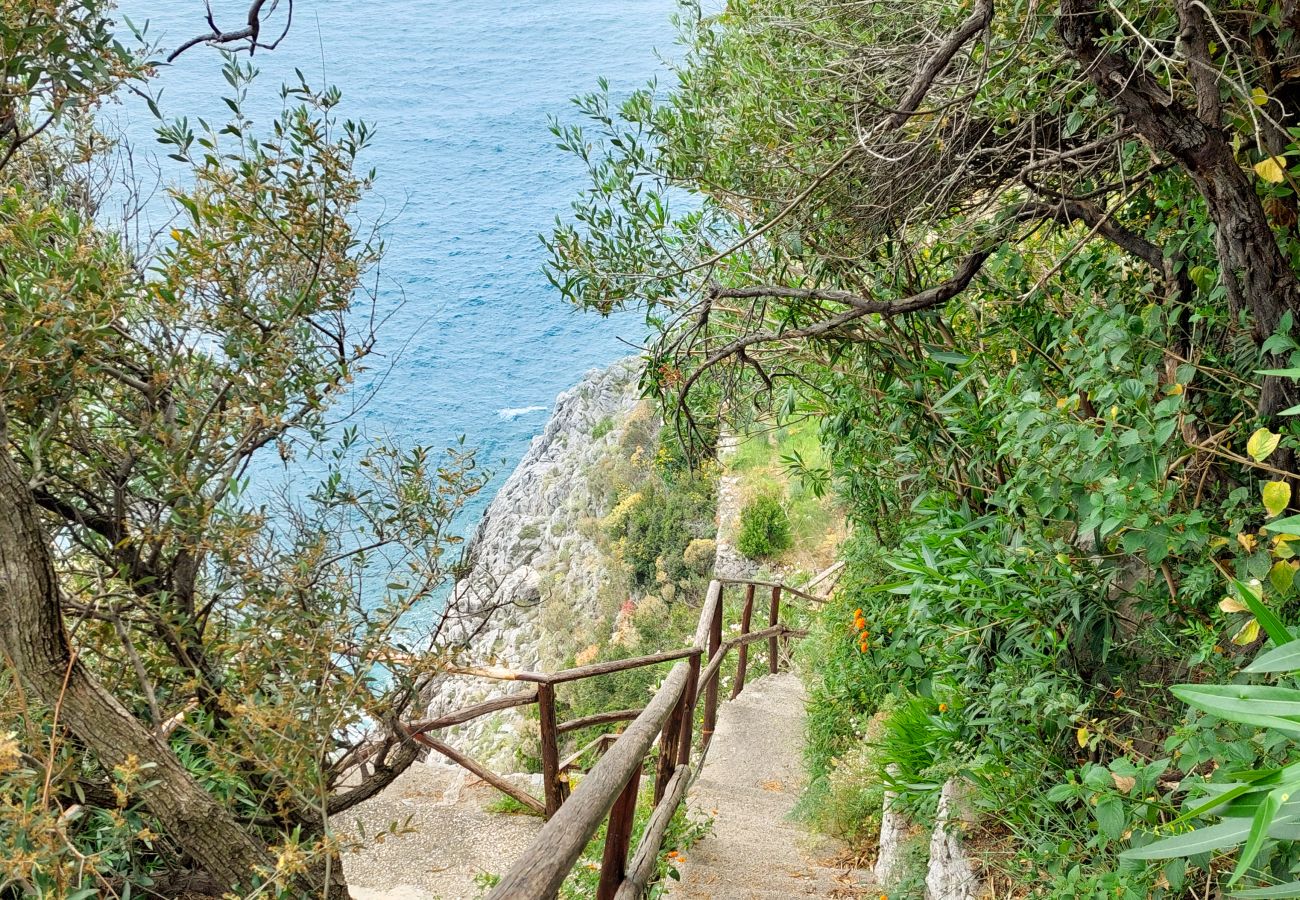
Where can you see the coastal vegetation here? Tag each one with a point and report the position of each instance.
(198, 672)
(1034, 270)
(1013, 287)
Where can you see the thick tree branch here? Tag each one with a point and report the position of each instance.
(934, 66)
(250, 32)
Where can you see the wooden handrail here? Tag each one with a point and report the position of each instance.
(605, 718)
(647, 852)
(465, 713)
(501, 673)
(563, 838)
(774, 584)
(481, 771)
(618, 665)
(610, 788)
(569, 761)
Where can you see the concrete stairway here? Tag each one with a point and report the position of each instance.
(751, 780)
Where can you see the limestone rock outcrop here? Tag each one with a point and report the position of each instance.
(534, 546)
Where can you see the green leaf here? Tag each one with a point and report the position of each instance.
(1212, 837)
(1279, 659)
(1229, 699)
(1271, 624)
(1262, 444)
(1289, 525)
(1110, 817)
(1264, 816)
(1272, 892)
(1060, 793)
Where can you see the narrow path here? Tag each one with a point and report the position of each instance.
(445, 836)
(750, 784)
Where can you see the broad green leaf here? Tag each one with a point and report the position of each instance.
(1259, 827)
(1257, 699)
(1276, 495)
(1289, 525)
(1279, 659)
(1221, 836)
(1262, 444)
(1110, 817)
(1272, 892)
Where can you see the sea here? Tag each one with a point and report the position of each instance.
(477, 343)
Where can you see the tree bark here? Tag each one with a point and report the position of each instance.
(32, 634)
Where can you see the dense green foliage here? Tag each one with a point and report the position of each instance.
(1033, 269)
(764, 528)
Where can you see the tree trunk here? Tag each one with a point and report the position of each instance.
(1253, 270)
(32, 634)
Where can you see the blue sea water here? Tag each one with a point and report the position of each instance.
(460, 94)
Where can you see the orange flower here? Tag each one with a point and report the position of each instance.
(862, 648)
(943, 707)
(860, 623)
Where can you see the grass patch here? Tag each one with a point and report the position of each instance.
(786, 462)
(509, 806)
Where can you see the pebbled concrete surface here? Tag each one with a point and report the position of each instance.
(752, 779)
(445, 837)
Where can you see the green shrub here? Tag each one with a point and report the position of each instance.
(764, 528)
(656, 527)
(602, 428)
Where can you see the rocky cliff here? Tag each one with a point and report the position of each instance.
(535, 550)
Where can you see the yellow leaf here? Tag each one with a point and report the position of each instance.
(1232, 605)
(176, 235)
(1124, 783)
(1114, 413)
(1281, 576)
(1082, 735)
(1272, 169)
(1277, 494)
(1259, 97)
(1175, 389)
(1248, 633)
(1247, 541)
(1262, 444)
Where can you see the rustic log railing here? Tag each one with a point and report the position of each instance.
(610, 789)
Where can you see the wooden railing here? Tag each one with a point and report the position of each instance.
(611, 788)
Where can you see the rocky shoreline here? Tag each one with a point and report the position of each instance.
(535, 548)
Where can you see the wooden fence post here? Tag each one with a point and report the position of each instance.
(668, 738)
(774, 616)
(742, 652)
(618, 839)
(550, 749)
(688, 711)
(711, 692)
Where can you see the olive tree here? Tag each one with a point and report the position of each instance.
(201, 674)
